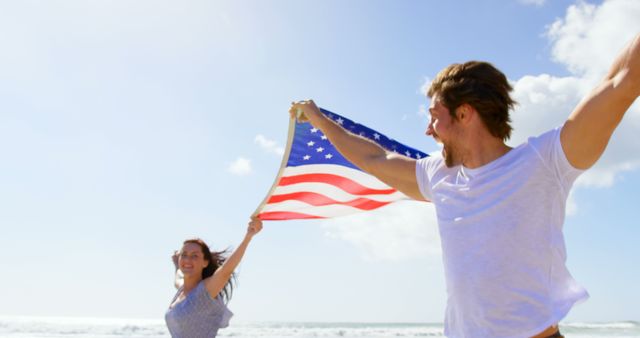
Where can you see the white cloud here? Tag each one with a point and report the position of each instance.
(423, 111)
(588, 38)
(268, 145)
(586, 41)
(240, 167)
(398, 231)
(544, 101)
(537, 3)
(425, 86)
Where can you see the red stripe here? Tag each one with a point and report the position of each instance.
(316, 199)
(284, 215)
(341, 182)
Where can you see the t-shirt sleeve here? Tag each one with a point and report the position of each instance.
(213, 305)
(423, 177)
(549, 148)
(204, 298)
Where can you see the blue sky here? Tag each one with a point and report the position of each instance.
(126, 127)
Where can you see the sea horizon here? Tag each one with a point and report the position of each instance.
(104, 327)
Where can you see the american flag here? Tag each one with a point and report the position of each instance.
(315, 181)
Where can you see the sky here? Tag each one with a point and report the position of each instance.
(127, 127)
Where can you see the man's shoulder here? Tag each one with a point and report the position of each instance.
(546, 137)
(432, 163)
(434, 157)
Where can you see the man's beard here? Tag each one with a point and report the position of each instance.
(449, 154)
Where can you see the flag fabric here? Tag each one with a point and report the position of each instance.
(316, 181)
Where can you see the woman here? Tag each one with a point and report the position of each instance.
(199, 308)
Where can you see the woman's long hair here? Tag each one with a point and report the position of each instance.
(215, 259)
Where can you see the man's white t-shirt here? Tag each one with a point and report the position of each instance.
(501, 231)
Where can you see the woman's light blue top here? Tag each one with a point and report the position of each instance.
(198, 315)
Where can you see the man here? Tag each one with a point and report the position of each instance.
(500, 210)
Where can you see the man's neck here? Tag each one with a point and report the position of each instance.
(482, 151)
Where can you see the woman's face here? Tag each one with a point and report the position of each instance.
(191, 260)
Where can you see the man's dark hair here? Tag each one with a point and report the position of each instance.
(482, 86)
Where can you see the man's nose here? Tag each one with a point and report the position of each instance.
(430, 130)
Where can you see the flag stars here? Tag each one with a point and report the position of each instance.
(314, 130)
(340, 120)
(408, 153)
(418, 156)
(323, 137)
(310, 143)
(306, 157)
(376, 136)
(328, 156)
(319, 149)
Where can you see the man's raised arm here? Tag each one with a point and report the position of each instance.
(586, 133)
(395, 170)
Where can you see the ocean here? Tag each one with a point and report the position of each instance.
(50, 327)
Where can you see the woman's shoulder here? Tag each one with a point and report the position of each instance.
(202, 292)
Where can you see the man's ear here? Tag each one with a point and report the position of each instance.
(465, 112)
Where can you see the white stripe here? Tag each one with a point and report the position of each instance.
(353, 174)
(322, 211)
(334, 192)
